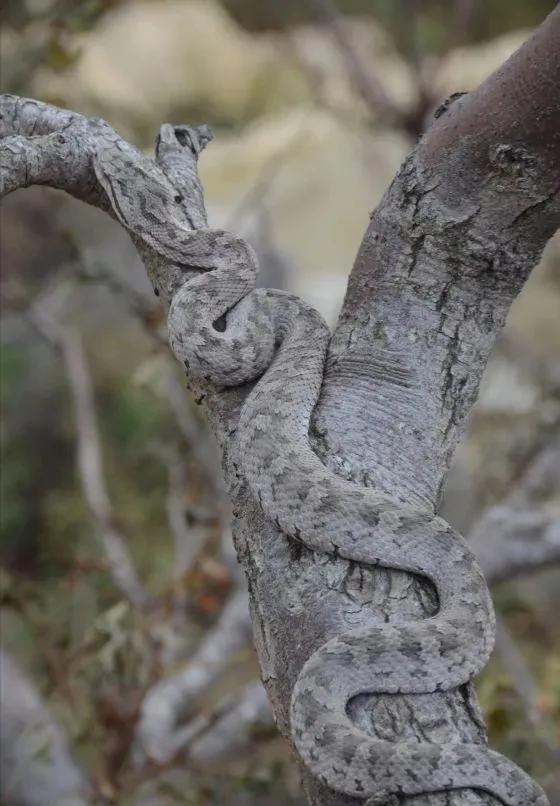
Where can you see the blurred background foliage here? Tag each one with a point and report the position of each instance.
(310, 127)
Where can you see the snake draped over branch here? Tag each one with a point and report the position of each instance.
(228, 332)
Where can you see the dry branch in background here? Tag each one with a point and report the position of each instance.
(445, 254)
(518, 536)
(160, 732)
(88, 449)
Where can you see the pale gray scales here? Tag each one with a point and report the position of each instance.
(229, 333)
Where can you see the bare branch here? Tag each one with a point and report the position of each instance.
(43, 145)
(237, 729)
(365, 82)
(40, 144)
(516, 536)
(36, 765)
(90, 463)
(91, 469)
(159, 733)
(514, 663)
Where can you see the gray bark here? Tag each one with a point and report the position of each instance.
(446, 252)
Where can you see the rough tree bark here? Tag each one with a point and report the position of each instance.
(446, 252)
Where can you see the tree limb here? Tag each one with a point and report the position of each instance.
(446, 252)
(43, 145)
(517, 536)
(160, 733)
(88, 447)
(367, 84)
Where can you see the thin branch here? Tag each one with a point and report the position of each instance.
(90, 463)
(365, 82)
(516, 537)
(237, 728)
(519, 673)
(159, 734)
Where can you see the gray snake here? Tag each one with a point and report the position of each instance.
(227, 332)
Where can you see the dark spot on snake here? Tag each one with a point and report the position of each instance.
(220, 323)
(156, 292)
(186, 364)
(182, 137)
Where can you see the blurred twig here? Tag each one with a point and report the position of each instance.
(236, 728)
(368, 86)
(267, 174)
(160, 733)
(90, 464)
(516, 537)
(463, 13)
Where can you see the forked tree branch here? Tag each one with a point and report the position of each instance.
(445, 254)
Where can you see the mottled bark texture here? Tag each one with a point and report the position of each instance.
(446, 252)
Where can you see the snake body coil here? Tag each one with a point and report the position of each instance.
(228, 332)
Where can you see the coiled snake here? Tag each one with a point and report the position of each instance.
(229, 333)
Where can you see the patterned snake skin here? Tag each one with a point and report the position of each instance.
(226, 331)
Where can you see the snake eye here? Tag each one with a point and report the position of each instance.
(178, 198)
(220, 323)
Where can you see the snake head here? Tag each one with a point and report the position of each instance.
(173, 139)
(177, 150)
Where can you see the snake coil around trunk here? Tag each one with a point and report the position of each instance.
(228, 332)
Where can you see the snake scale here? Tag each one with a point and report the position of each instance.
(228, 332)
